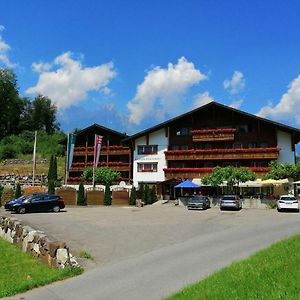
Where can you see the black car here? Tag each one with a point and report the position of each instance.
(39, 202)
(9, 204)
(198, 202)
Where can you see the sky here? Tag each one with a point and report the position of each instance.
(129, 65)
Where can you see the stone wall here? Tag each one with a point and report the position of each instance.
(52, 253)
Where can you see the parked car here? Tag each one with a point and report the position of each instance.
(198, 202)
(39, 202)
(231, 202)
(287, 202)
(9, 204)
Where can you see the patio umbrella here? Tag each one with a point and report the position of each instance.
(187, 184)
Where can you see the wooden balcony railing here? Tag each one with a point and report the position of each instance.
(223, 154)
(201, 172)
(211, 135)
(117, 166)
(111, 150)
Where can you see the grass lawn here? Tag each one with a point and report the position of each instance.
(20, 272)
(273, 273)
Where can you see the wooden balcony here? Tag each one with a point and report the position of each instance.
(202, 172)
(186, 172)
(223, 154)
(112, 150)
(79, 167)
(213, 135)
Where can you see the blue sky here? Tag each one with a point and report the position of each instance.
(131, 64)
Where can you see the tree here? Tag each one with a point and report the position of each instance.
(107, 195)
(52, 172)
(1, 191)
(18, 191)
(81, 195)
(44, 115)
(132, 198)
(152, 195)
(10, 103)
(145, 194)
(103, 175)
(233, 176)
(281, 171)
(51, 186)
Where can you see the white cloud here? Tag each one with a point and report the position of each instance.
(159, 92)
(4, 48)
(288, 108)
(236, 84)
(202, 99)
(67, 82)
(236, 104)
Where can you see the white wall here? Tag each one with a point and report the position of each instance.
(284, 141)
(156, 138)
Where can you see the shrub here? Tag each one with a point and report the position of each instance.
(7, 194)
(81, 195)
(153, 195)
(145, 194)
(7, 152)
(132, 198)
(51, 186)
(18, 191)
(107, 196)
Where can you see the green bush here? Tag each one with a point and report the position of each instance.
(7, 152)
(7, 194)
(107, 196)
(153, 195)
(81, 195)
(132, 198)
(18, 191)
(51, 186)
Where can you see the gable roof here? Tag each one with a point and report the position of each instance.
(97, 127)
(212, 104)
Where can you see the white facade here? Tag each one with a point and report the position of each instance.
(284, 141)
(155, 138)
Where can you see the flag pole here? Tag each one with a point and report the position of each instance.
(95, 146)
(67, 159)
(34, 158)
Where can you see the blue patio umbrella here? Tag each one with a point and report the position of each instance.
(187, 184)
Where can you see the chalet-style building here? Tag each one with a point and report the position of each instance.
(113, 153)
(192, 144)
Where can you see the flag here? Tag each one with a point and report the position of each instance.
(97, 149)
(70, 150)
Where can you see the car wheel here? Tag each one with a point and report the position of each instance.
(278, 209)
(297, 210)
(56, 208)
(22, 210)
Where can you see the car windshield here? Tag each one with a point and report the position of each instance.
(229, 198)
(287, 198)
(197, 199)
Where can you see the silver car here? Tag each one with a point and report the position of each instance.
(231, 202)
(198, 202)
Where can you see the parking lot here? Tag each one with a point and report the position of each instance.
(111, 234)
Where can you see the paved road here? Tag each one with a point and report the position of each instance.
(219, 239)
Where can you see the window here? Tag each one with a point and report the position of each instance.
(237, 145)
(184, 131)
(242, 128)
(147, 149)
(178, 147)
(147, 167)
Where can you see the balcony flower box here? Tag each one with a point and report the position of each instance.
(212, 131)
(233, 150)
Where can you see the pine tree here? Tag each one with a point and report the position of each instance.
(107, 195)
(54, 171)
(81, 195)
(153, 195)
(50, 171)
(51, 186)
(146, 194)
(132, 198)
(18, 191)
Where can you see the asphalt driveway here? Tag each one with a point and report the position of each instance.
(111, 234)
